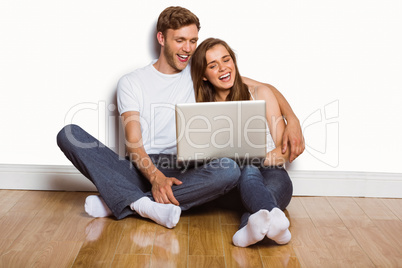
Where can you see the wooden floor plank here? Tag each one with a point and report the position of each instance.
(268, 248)
(228, 216)
(42, 254)
(375, 209)
(383, 217)
(57, 254)
(74, 225)
(206, 261)
(237, 256)
(314, 257)
(13, 224)
(138, 237)
(273, 262)
(380, 250)
(307, 243)
(343, 247)
(128, 260)
(8, 199)
(321, 212)
(205, 237)
(34, 236)
(51, 229)
(170, 246)
(335, 235)
(392, 230)
(46, 221)
(100, 246)
(23, 254)
(350, 213)
(5, 245)
(33, 201)
(296, 210)
(395, 205)
(309, 246)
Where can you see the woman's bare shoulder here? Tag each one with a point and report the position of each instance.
(251, 82)
(261, 92)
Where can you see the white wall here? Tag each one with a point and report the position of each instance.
(338, 63)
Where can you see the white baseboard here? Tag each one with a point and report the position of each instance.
(43, 177)
(306, 183)
(346, 183)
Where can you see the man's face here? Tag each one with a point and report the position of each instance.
(178, 46)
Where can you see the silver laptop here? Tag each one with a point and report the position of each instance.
(209, 130)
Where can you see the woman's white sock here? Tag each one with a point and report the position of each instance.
(278, 229)
(96, 207)
(167, 215)
(255, 230)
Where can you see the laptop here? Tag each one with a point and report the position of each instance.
(210, 130)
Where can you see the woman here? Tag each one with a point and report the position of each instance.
(265, 190)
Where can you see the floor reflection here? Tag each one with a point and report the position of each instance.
(139, 237)
(94, 229)
(164, 239)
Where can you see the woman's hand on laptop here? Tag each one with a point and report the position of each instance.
(162, 188)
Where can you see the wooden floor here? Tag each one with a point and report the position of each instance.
(51, 229)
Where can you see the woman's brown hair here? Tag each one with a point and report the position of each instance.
(204, 90)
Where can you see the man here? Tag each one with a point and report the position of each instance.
(155, 188)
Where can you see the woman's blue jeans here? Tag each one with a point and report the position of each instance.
(120, 183)
(264, 188)
(259, 188)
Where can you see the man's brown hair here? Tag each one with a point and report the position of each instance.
(174, 18)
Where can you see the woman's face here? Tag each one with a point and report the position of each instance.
(220, 71)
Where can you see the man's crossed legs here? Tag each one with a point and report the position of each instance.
(124, 189)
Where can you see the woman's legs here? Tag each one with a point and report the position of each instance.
(265, 188)
(264, 192)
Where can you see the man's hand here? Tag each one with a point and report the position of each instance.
(293, 137)
(162, 189)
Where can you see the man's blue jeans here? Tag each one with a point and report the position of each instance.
(120, 183)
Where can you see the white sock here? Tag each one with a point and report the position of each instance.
(278, 230)
(167, 215)
(255, 230)
(96, 207)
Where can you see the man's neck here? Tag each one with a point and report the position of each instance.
(162, 66)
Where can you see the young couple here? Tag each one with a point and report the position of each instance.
(140, 185)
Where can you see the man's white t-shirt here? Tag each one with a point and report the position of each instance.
(154, 95)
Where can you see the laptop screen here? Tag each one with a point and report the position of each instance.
(233, 129)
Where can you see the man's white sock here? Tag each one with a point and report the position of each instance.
(278, 230)
(96, 207)
(167, 215)
(255, 230)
